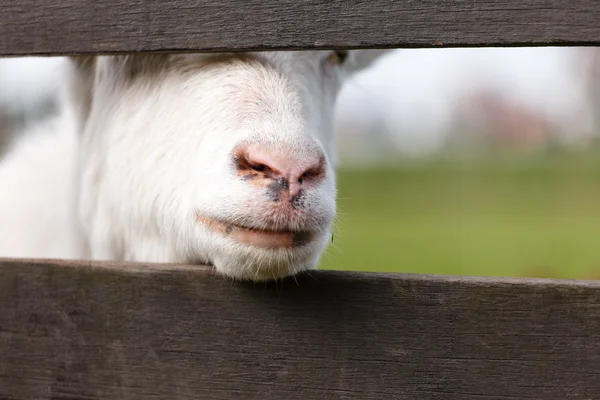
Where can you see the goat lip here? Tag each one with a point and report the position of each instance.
(269, 239)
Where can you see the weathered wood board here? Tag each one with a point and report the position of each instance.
(43, 27)
(107, 331)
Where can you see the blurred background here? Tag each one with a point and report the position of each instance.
(451, 161)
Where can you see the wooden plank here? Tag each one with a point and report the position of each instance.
(43, 27)
(110, 331)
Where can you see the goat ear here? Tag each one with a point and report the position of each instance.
(81, 85)
(362, 59)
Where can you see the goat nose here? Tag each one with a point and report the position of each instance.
(293, 172)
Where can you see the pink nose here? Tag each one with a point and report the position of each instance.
(292, 172)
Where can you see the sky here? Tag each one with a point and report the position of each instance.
(415, 90)
(28, 80)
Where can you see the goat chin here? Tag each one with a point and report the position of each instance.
(220, 159)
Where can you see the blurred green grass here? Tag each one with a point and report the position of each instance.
(489, 216)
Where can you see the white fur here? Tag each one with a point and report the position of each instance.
(145, 143)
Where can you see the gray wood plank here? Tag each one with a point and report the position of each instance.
(86, 330)
(43, 27)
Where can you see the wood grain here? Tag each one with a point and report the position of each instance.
(44, 27)
(78, 331)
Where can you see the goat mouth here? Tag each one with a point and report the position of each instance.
(267, 239)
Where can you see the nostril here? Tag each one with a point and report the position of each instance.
(254, 161)
(288, 170)
(258, 167)
(313, 174)
(243, 162)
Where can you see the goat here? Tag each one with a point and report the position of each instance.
(226, 159)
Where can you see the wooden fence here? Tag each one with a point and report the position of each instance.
(92, 330)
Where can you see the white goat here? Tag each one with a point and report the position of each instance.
(223, 159)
